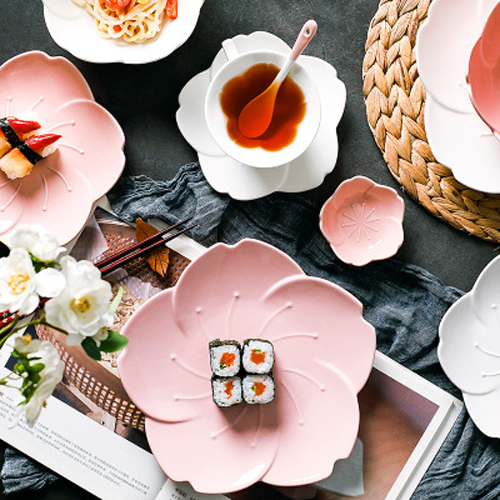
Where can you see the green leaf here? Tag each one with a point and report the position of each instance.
(116, 301)
(90, 347)
(114, 342)
(40, 264)
(36, 368)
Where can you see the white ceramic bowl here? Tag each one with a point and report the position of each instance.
(259, 157)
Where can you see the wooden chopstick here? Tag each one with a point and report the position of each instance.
(141, 244)
(127, 257)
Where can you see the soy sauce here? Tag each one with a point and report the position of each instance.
(289, 111)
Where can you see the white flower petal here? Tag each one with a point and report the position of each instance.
(50, 282)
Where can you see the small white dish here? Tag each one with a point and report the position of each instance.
(73, 29)
(456, 134)
(254, 155)
(469, 348)
(242, 181)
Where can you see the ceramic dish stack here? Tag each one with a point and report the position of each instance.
(396, 100)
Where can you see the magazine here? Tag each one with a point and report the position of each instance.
(93, 435)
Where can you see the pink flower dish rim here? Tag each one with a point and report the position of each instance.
(363, 221)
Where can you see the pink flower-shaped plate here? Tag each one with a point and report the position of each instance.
(324, 354)
(469, 348)
(483, 75)
(363, 221)
(60, 191)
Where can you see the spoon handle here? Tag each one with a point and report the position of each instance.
(305, 36)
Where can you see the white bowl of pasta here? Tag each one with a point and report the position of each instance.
(126, 31)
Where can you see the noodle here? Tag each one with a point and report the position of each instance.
(136, 23)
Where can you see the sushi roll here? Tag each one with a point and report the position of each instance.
(13, 131)
(19, 161)
(226, 391)
(258, 356)
(225, 357)
(258, 389)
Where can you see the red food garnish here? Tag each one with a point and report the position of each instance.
(117, 4)
(257, 357)
(22, 126)
(39, 142)
(227, 359)
(259, 388)
(172, 9)
(117, 29)
(229, 388)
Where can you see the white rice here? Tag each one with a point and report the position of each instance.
(249, 395)
(216, 353)
(262, 347)
(220, 391)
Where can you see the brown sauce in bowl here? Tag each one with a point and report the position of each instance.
(289, 111)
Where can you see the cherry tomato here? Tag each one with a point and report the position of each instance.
(117, 4)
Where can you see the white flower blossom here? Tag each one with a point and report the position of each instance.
(50, 376)
(37, 241)
(21, 287)
(82, 308)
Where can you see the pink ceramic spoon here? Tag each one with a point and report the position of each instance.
(256, 116)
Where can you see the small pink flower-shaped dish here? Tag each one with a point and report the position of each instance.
(363, 221)
(484, 75)
(324, 350)
(60, 191)
(469, 348)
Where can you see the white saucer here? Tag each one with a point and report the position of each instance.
(456, 134)
(243, 182)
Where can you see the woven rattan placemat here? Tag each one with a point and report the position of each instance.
(395, 105)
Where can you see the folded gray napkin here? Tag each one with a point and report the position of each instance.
(403, 302)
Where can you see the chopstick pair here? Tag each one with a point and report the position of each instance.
(122, 257)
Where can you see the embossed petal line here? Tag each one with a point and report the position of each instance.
(61, 176)
(276, 313)
(319, 385)
(182, 364)
(313, 335)
(70, 146)
(486, 351)
(46, 188)
(300, 420)
(349, 216)
(490, 374)
(259, 426)
(236, 296)
(216, 434)
(8, 101)
(62, 124)
(190, 398)
(2, 208)
(199, 312)
(36, 103)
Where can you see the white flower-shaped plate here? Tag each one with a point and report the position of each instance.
(469, 348)
(60, 191)
(243, 182)
(73, 29)
(456, 134)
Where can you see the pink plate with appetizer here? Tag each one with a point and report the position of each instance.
(247, 367)
(60, 151)
(126, 31)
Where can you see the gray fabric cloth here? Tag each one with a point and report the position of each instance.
(403, 302)
(21, 473)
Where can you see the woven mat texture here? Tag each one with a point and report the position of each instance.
(395, 105)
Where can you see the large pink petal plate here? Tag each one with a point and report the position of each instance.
(324, 354)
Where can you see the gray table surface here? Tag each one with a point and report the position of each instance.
(144, 101)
